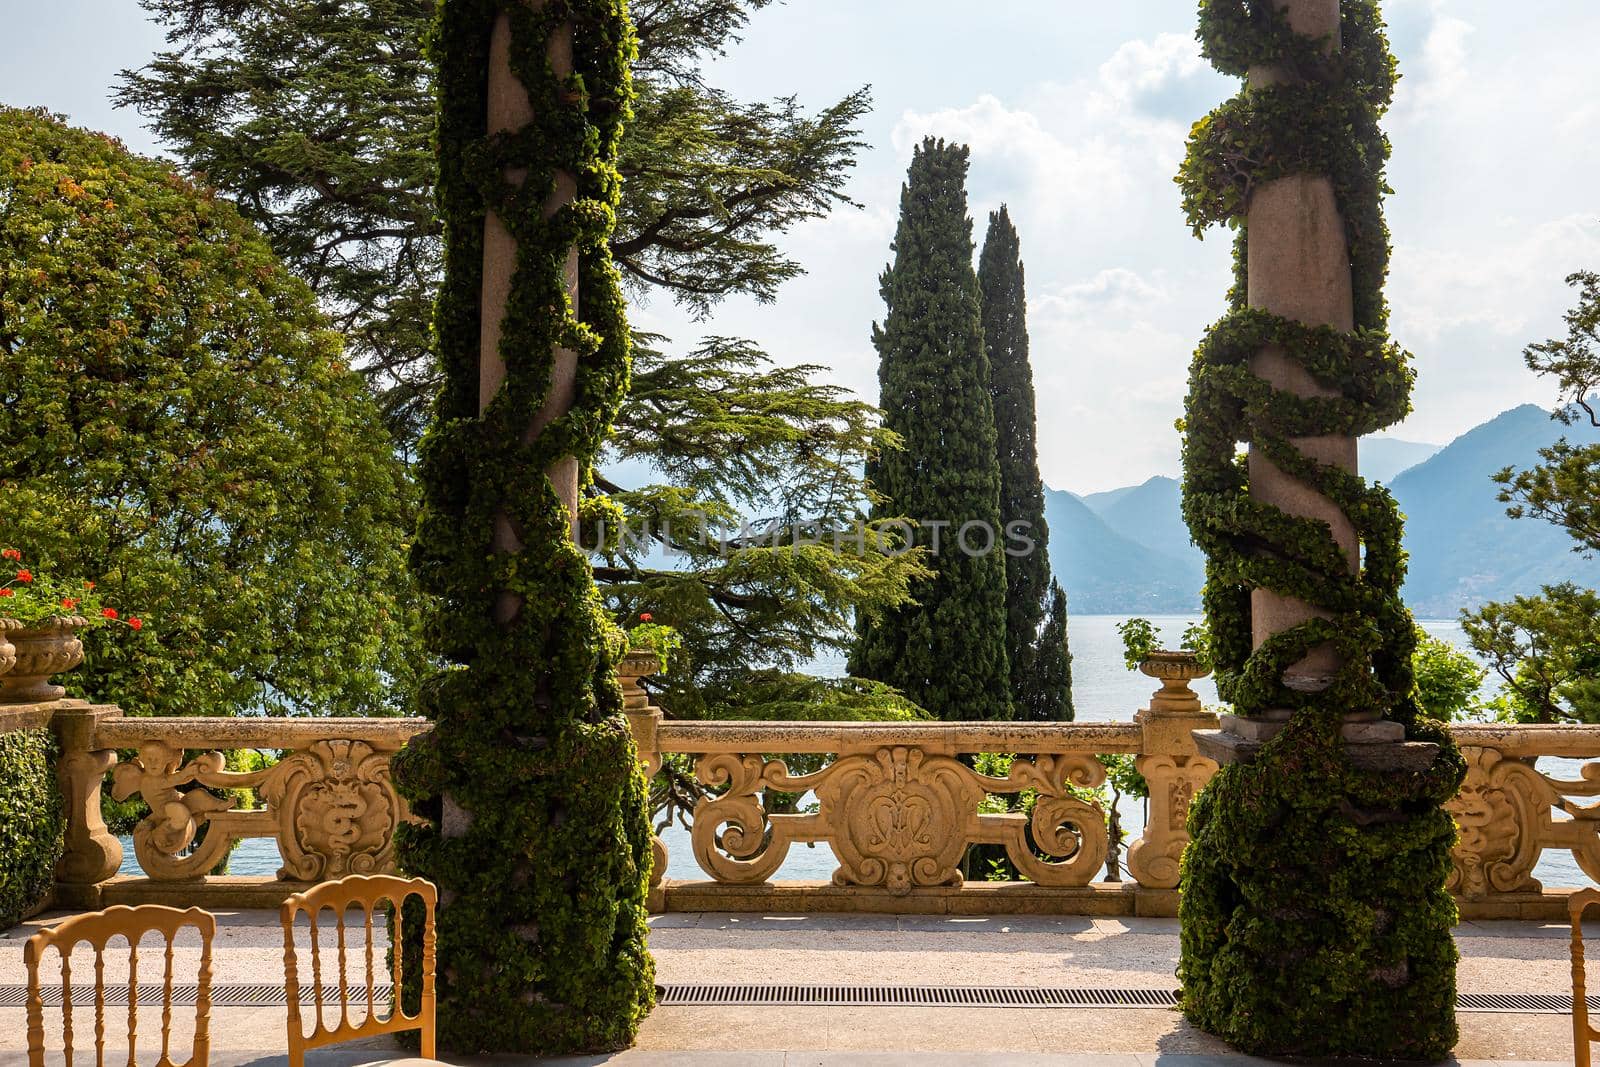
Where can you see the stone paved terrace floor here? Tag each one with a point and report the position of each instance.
(1497, 957)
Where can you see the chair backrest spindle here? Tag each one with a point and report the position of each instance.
(1582, 1031)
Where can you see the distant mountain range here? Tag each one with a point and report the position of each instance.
(1128, 550)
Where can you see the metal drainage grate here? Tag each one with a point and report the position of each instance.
(1012, 997)
(271, 996)
(222, 996)
(914, 996)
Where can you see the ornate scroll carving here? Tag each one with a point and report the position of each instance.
(899, 817)
(330, 805)
(1499, 812)
(337, 811)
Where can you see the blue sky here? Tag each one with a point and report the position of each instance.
(1076, 113)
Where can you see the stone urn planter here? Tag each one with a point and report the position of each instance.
(638, 663)
(1174, 670)
(8, 651)
(41, 651)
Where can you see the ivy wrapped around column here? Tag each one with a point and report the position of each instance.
(1314, 915)
(536, 830)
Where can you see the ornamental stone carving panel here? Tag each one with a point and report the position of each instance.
(899, 817)
(1499, 813)
(330, 804)
(336, 811)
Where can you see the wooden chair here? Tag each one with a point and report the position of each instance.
(98, 928)
(1582, 1031)
(367, 891)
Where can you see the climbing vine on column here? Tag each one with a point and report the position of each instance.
(537, 833)
(1315, 919)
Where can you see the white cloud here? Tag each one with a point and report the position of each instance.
(1144, 68)
(1442, 69)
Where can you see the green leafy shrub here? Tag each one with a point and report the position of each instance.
(31, 822)
(178, 425)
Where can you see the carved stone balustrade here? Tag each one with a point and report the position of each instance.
(328, 801)
(898, 804)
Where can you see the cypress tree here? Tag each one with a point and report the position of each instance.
(1041, 670)
(946, 651)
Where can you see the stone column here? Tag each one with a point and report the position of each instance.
(510, 110)
(1299, 268)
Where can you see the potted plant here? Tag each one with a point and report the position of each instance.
(650, 645)
(42, 617)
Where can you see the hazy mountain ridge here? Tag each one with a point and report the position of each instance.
(1128, 550)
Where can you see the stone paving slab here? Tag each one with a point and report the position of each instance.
(1500, 957)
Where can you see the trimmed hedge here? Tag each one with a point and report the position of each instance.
(31, 821)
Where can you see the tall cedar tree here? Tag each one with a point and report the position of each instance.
(947, 650)
(1041, 666)
(318, 119)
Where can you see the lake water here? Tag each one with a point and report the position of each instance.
(1103, 690)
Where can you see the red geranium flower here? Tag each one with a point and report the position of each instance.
(11, 553)
(134, 624)
(69, 603)
(645, 616)
(24, 576)
(6, 592)
(109, 613)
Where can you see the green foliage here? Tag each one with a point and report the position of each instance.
(1315, 920)
(1545, 650)
(947, 650)
(319, 119)
(1448, 679)
(737, 437)
(664, 641)
(1040, 664)
(179, 426)
(31, 822)
(537, 831)
(1049, 694)
(1565, 488)
(1140, 640)
(33, 598)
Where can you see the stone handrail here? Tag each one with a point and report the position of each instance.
(1507, 812)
